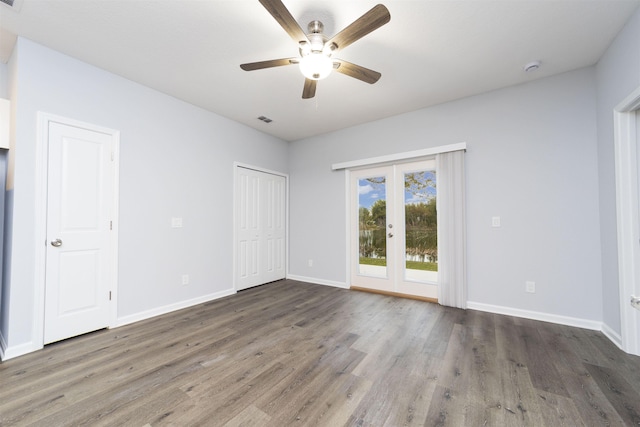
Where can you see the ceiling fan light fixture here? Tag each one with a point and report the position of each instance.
(316, 66)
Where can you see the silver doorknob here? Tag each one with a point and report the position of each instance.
(390, 234)
(56, 243)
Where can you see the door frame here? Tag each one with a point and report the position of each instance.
(380, 160)
(236, 166)
(627, 216)
(41, 183)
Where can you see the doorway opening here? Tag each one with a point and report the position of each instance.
(627, 159)
(77, 199)
(394, 232)
(260, 227)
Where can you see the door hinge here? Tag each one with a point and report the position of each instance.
(110, 225)
(109, 295)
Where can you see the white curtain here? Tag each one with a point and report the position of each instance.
(452, 254)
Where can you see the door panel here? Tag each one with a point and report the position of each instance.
(418, 255)
(248, 228)
(260, 232)
(80, 190)
(372, 231)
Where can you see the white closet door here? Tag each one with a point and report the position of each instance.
(260, 228)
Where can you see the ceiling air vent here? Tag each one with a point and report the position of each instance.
(263, 118)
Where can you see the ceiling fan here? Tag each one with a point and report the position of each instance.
(316, 50)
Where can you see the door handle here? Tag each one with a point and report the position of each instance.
(56, 243)
(390, 234)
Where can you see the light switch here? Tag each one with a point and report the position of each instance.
(495, 221)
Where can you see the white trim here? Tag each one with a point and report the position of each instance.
(536, 315)
(259, 169)
(5, 120)
(627, 205)
(158, 311)
(613, 336)
(115, 230)
(237, 165)
(7, 353)
(41, 174)
(400, 156)
(313, 280)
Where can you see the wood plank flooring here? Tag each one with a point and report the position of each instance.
(291, 353)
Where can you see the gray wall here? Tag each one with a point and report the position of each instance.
(618, 74)
(531, 159)
(176, 160)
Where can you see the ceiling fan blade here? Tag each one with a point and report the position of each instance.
(356, 71)
(370, 21)
(309, 90)
(281, 14)
(268, 64)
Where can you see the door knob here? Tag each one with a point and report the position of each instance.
(390, 234)
(56, 243)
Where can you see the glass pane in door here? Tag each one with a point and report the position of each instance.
(421, 227)
(372, 222)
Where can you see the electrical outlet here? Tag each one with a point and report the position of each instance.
(530, 287)
(185, 279)
(310, 263)
(176, 222)
(495, 221)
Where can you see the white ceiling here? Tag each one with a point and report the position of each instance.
(430, 52)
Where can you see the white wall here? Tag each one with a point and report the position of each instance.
(531, 159)
(618, 74)
(176, 160)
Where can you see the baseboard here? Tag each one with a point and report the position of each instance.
(613, 336)
(7, 352)
(536, 315)
(341, 285)
(132, 318)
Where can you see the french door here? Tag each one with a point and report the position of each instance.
(393, 219)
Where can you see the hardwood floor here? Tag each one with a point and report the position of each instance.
(290, 353)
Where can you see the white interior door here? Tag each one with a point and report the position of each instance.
(79, 200)
(260, 227)
(394, 229)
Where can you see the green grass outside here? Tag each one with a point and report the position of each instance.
(411, 265)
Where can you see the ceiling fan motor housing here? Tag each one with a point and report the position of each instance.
(316, 39)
